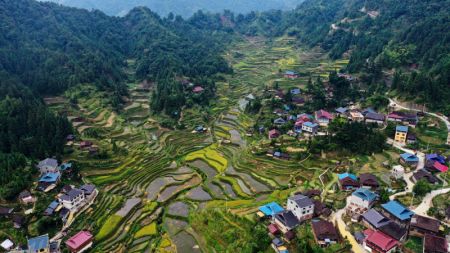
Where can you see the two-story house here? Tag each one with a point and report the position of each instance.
(73, 199)
(301, 206)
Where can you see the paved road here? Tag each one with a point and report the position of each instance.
(337, 218)
(422, 209)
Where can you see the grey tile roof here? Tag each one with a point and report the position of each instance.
(48, 162)
(287, 218)
(301, 200)
(393, 230)
(375, 218)
(72, 194)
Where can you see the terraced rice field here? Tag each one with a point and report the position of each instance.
(152, 179)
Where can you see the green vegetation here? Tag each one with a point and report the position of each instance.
(109, 226)
(415, 244)
(421, 188)
(146, 231)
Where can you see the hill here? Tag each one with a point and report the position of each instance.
(184, 8)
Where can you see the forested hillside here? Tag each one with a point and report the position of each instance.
(411, 37)
(184, 8)
(46, 49)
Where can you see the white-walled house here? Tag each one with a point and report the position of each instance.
(72, 199)
(301, 206)
(360, 202)
(48, 165)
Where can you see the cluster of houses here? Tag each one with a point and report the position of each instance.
(311, 124)
(78, 243)
(67, 203)
(434, 164)
(299, 209)
(388, 226)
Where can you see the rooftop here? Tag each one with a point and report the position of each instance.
(365, 194)
(409, 157)
(287, 218)
(324, 230)
(50, 177)
(50, 162)
(345, 175)
(380, 239)
(375, 218)
(398, 210)
(79, 239)
(301, 200)
(310, 124)
(72, 194)
(403, 129)
(435, 244)
(271, 209)
(393, 230)
(425, 223)
(35, 244)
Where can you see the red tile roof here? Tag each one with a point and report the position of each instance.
(380, 240)
(440, 167)
(324, 114)
(79, 240)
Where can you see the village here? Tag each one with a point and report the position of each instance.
(69, 202)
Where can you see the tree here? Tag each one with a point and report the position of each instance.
(421, 188)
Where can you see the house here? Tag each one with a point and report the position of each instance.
(80, 241)
(398, 171)
(400, 134)
(72, 199)
(66, 188)
(373, 117)
(86, 144)
(435, 244)
(274, 133)
(64, 214)
(348, 181)
(431, 158)
(409, 159)
(324, 232)
(250, 97)
(359, 237)
(323, 117)
(279, 121)
(39, 244)
(394, 230)
(269, 210)
(48, 181)
(88, 189)
(368, 180)
(18, 220)
(438, 167)
(290, 74)
(200, 129)
(420, 226)
(407, 118)
(342, 111)
(296, 91)
(6, 211)
(423, 174)
(320, 209)
(65, 167)
(48, 165)
(7, 244)
(356, 116)
(368, 110)
(273, 229)
(70, 137)
(378, 242)
(310, 127)
(286, 221)
(298, 101)
(51, 208)
(26, 197)
(278, 246)
(373, 219)
(359, 202)
(301, 206)
(198, 89)
(396, 211)
(411, 138)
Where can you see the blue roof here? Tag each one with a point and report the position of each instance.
(286, 107)
(401, 129)
(290, 72)
(53, 205)
(310, 124)
(65, 166)
(37, 243)
(365, 194)
(436, 157)
(50, 177)
(409, 157)
(350, 175)
(295, 91)
(271, 209)
(398, 210)
(341, 110)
